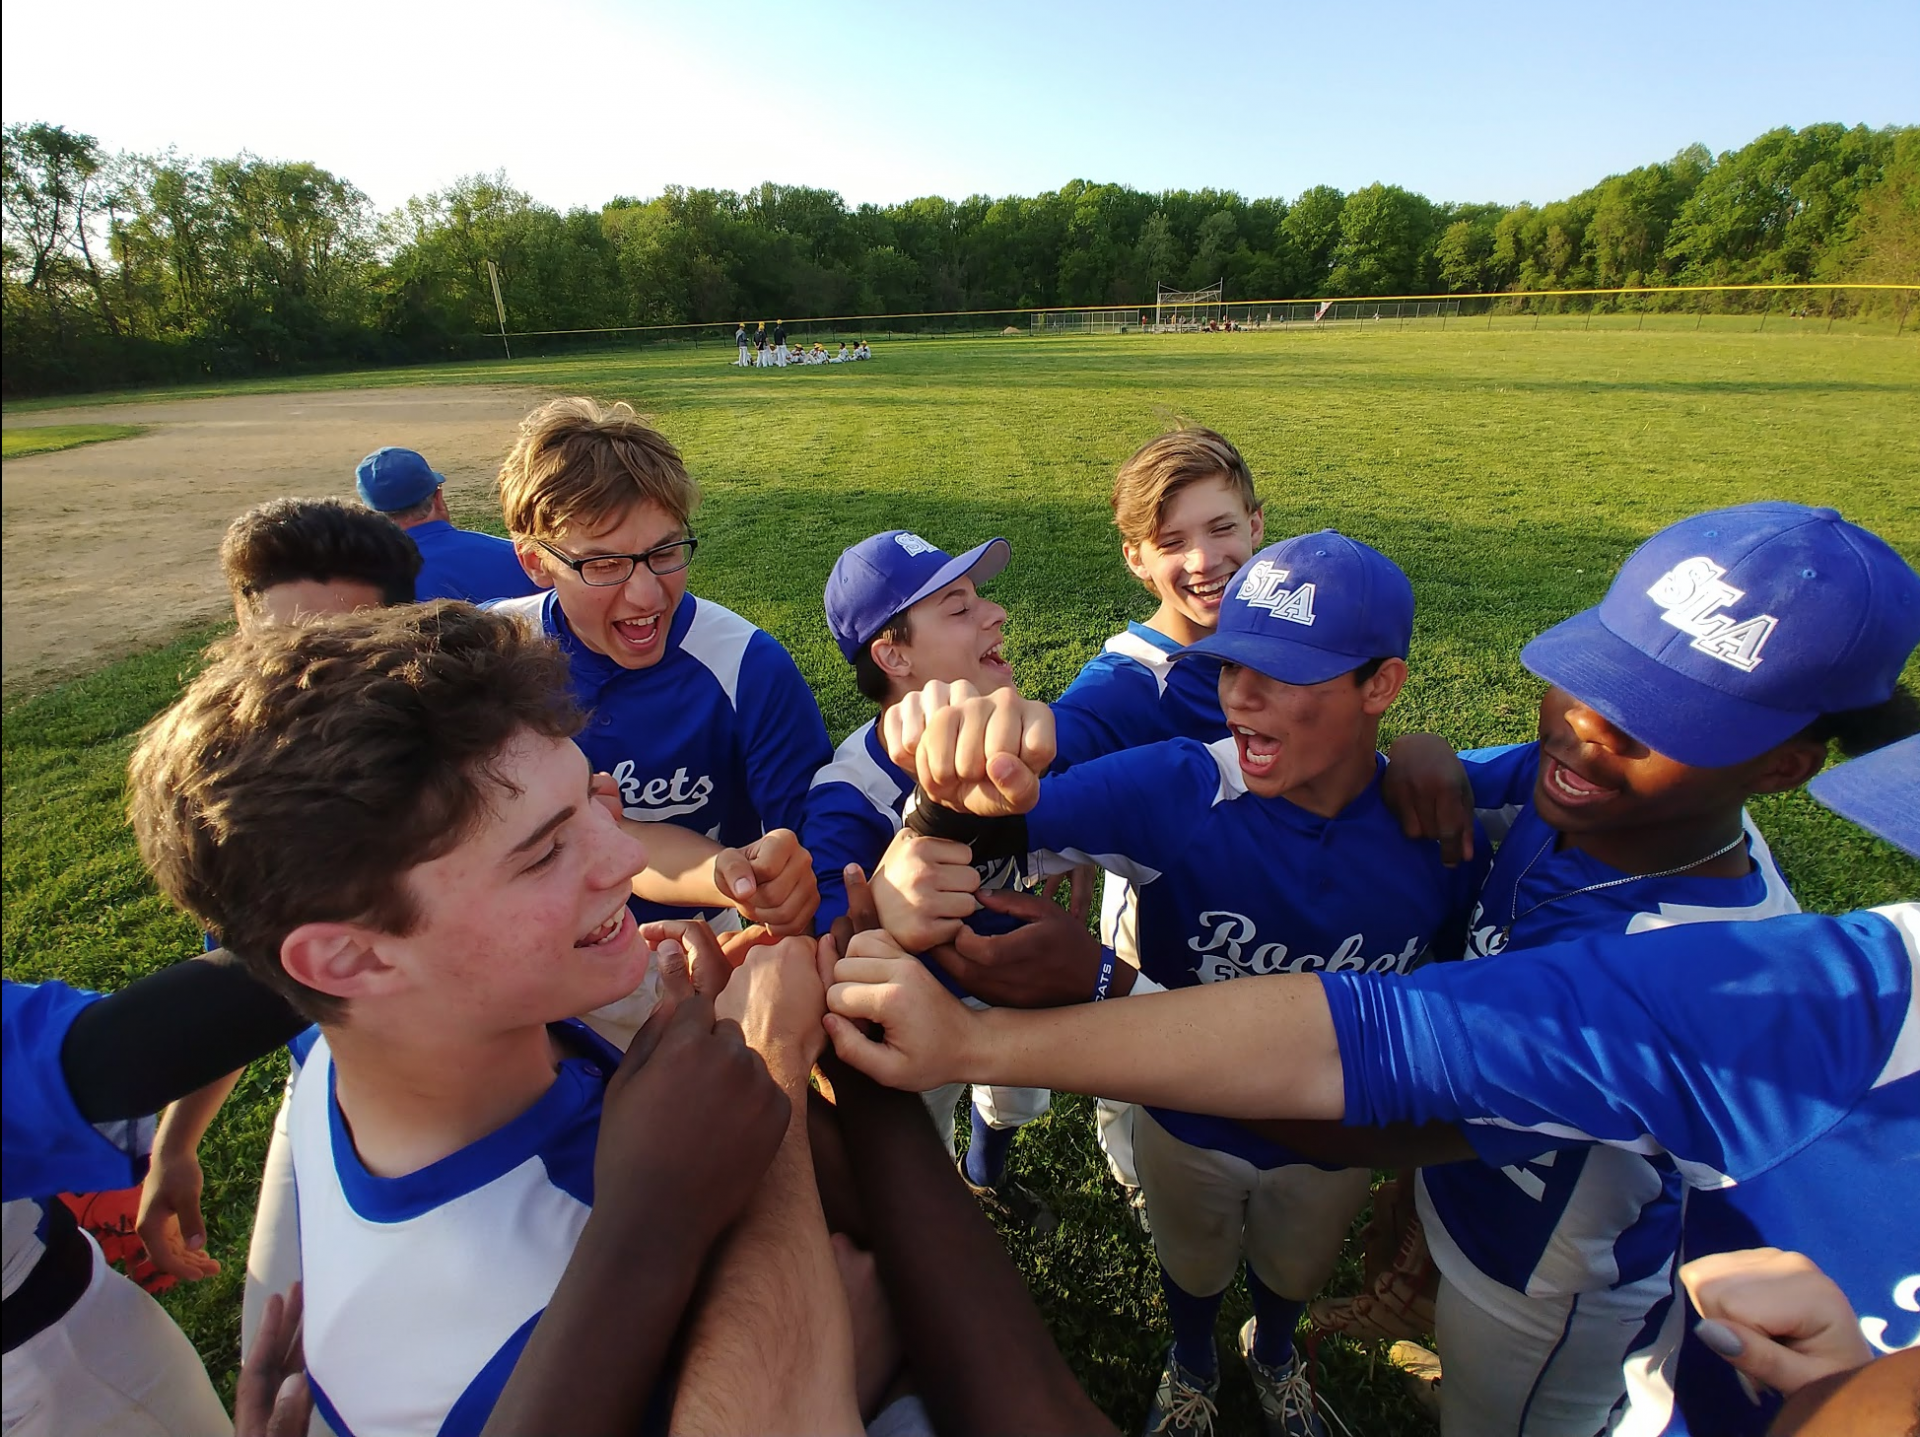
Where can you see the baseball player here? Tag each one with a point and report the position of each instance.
(780, 343)
(1268, 851)
(762, 353)
(1626, 815)
(470, 1116)
(904, 614)
(87, 1352)
(701, 719)
(1188, 517)
(454, 563)
(740, 342)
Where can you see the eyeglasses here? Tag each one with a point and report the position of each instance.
(604, 571)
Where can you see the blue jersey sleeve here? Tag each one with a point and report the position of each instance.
(48, 1146)
(841, 826)
(783, 739)
(1728, 1045)
(1114, 704)
(1129, 810)
(1501, 777)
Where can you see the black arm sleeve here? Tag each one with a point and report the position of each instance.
(990, 838)
(169, 1034)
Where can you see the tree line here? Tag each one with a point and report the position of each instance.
(124, 268)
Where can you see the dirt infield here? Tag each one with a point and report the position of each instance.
(112, 548)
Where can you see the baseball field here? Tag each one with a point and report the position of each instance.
(1507, 472)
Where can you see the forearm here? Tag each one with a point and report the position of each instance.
(679, 869)
(170, 1034)
(186, 1120)
(962, 1306)
(1264, 1049)
(596, 1354)
(774, 1308)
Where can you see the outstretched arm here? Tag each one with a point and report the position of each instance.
(1274, 1035)
(770, 881)
(770, 1348)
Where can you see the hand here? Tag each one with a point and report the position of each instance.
(862, 916)
(1077, 884)
(923, 888)
(169, 1221)
(691, 950)
(272, 1398)
(777, 998)
(926, 1030)
(975, 754)
(1775, 1317)
(1048, 962)
(1425, 786)
(770, 881)
(690, 1120)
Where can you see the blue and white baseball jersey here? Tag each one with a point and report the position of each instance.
(463, 564)
(1132, 693)
(1577, 1219)
(46, 1145)
(721, 736)
(1231, 884)
(1776, 1063)
(854, 807)
(421, 1291)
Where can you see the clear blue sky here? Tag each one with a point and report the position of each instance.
(580, 100)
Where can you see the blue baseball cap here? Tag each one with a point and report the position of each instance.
(1880, 791)
(393, 478)
(1311, 608)
(891, 572)
(1730, 632)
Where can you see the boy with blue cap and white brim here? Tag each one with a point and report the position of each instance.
(905, 613)
(1731, 647)
(1267, 851)
(454, 563)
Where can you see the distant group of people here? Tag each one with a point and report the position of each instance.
(561, 902)
(764, 349)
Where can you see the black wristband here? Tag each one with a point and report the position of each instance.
(993, 840)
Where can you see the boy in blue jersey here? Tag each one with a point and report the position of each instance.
(1188, 517)
(702, 719)
(905, 614)
(454, 563)
(385, 817)
(1625, 816)
(1268, 851)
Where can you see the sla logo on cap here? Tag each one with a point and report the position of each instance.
(1265, 588)
(913, 544)
(1690, 592)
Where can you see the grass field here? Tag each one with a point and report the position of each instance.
(51, 438)
(1508, 472)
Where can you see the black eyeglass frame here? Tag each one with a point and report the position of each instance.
(647, 557)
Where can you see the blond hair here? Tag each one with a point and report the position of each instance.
(1161, 468)
(578, 462)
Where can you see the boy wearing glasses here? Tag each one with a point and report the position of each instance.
(702, 720)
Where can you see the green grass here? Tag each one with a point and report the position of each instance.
(52, 438)
(1509, 472)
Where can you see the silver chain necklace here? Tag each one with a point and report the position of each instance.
(1513, 902)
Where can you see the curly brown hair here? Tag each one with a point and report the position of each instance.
(285, 540)
(309, 767)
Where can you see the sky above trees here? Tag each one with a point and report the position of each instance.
(579, 99)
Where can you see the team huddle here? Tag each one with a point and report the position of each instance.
(619, 998)
(763, 350)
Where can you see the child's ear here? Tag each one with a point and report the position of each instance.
(892, 661)
(533, 559)
(1379, 692)
(1786, 766)
(334, 958)
(1257, 524)
(1130, 551)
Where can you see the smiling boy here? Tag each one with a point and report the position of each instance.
(386, 818)
(702, 719)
